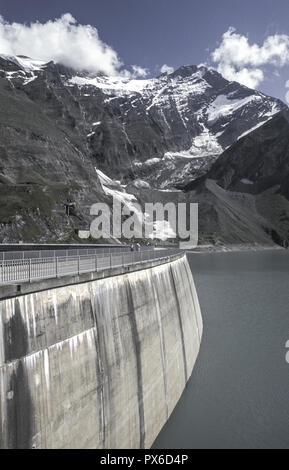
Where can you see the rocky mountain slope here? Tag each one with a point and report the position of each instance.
(258, 161)
(170, 128)
(60, 130)
(249, 183)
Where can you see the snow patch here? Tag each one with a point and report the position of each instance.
(204, 145)
(246, 181)
(25, 63)
(114, 189)
(274, 110)
(251, 130)
(117, 85)
(29, 80)
(138, 183)
(222, 106)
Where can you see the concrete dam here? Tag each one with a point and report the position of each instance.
(97, 360)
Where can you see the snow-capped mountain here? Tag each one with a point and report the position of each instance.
(60, 130)
(176, 124)
(163, 130)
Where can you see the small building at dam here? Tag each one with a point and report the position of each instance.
(99, 359)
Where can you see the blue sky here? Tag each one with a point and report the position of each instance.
(151, 33)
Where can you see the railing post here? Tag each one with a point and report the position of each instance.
(56, 266)
(78, 264)
(29, 269)
(110, 256)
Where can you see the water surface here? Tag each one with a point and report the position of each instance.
(238, 395)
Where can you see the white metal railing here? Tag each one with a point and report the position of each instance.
(28, 270)
(61, 253)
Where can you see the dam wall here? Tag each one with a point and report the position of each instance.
(100, 363)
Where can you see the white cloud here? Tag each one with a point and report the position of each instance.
(65, 41)
(166, 69)
(250, 77)
(239, 60)
(139, 72)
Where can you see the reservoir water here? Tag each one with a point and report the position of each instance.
(238, 395)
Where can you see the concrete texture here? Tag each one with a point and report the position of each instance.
(99, 364)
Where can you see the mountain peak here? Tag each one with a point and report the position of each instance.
(184, 71)
(23, 62)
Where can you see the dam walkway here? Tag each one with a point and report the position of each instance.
(34, 269)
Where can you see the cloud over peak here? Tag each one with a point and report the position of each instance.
(239, 60)
(139, 72)
(166, 69)
(65, 41)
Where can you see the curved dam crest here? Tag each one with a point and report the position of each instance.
(100, 364)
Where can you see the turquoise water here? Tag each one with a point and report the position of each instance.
(238, 395)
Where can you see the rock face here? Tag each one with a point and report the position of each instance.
(244, 196)
(44, 161)
(170, 127)
(257, 162)
(99, 364)
(57, 127)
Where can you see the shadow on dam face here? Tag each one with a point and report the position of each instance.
(19, 402)
(19, 410)
(137, 351)
(15, 336)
